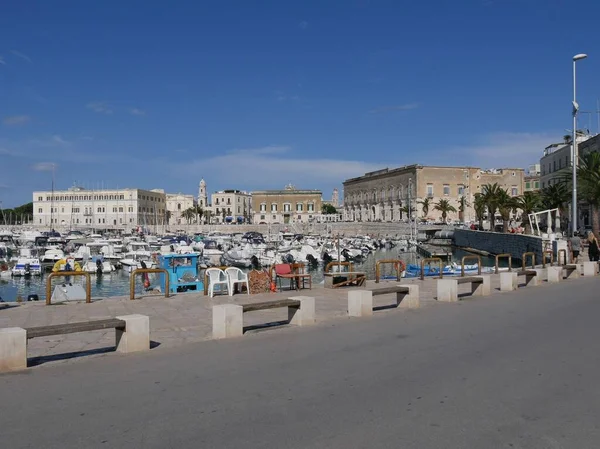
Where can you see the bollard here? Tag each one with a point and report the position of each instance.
(228, 321)
(447, 290)
(136, 336)
(589, 268)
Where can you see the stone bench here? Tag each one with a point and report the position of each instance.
(571, 271)
(447, 289)
(509, 280)
(228, 319)
(590, 269)
(360, 302)
(132, 334)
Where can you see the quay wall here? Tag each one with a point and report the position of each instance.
(499, 243)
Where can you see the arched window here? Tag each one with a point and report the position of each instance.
(178, 206)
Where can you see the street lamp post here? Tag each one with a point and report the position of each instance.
(574, 152)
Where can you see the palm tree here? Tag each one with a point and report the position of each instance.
(588, 179)
(425, 206)
(506, 204)
(462, 206)
(189, 214)
(444, 207)
(405, 210)
(528, 203)
(168, 215)
(479, 206)
(557, 196)
(490, 193)
(199, 212)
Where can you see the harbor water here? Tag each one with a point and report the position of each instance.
(117, 283)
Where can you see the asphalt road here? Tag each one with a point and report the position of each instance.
(516, 370)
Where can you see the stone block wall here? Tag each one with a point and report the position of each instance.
(499, 243)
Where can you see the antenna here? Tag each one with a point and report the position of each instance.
(598, 114)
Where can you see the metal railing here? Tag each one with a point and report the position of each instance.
(462, 264)
(524, 259)
(544, 257)
(432, 259)
(88, 284)
(147, 270)
(399, 266)
(565, 260)
(503, 256)
(339, 264)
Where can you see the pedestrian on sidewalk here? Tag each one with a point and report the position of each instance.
(575, 242)
(593, 247)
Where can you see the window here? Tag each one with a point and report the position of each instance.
(273, 207)
(461, 190)
(40, 198)
(75, 210)
(130, 209)
(62, 210)
(299, 217)
(527, 185)
(446, 190)
(120, 209)
(40, 210)
(179, 206)
(430, 190)
(299, 207)
(238, 209)
(554, 163)
(262, 217)
(274, 217)
(287, 207)
(99, 209)
(514, 191)
(311, 207)
(263, 207)
(114, 209)
(537, 184)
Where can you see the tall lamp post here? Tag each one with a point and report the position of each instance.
(574, 152)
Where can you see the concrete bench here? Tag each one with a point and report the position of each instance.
(590, 269)
(228, 319)
(132, 334)
(571, 271)
(360, 302)
(447, 289)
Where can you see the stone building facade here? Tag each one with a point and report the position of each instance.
(289, 205)
(231, 206)
(385, 195)
(100, 209)
(176, 204)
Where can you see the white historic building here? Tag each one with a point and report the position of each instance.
(230, 206)
(176, 204)
(81, 208)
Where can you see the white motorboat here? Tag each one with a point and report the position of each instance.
(27, 267)
(52, 255)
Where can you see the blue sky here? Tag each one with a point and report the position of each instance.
(255, 95)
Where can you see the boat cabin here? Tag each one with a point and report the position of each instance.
(183, 272)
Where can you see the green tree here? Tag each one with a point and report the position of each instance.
(491, 194)
(425, 205)
(328, 209)
(444, 207)
(528, 203)
(199, 212)
(505, 204)
(479, 206)
(557, 196)
(407, 211)
(189, 214)
(168, 215)
(588, 180)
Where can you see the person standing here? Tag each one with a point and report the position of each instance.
(575, 246)
(593, 247)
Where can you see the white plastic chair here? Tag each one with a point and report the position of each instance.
(216, 277)
(236, 276)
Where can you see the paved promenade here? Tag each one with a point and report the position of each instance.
(516, 370)
(181, 319)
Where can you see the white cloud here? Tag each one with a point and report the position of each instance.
(136, 111)
(100, 107)
(16, 120)
(23, 56)
(397, 107)
(8, 152)
(275, 166)
(45, 166)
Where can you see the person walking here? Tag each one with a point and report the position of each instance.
(593, 247)
(575, 246)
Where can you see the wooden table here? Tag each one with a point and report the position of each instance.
(357, 278)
